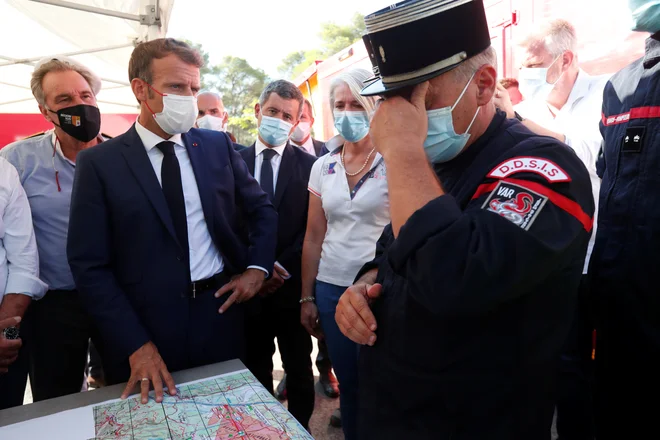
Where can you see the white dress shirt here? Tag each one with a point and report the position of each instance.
(205, 259)
(275, 162)
(19, 258)
(578, 120)
(307, 146)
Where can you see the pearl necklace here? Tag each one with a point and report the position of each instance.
(363, 165)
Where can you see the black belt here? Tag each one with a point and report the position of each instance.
(214, 283)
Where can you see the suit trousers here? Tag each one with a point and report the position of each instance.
(295, 346)
(575, 405)
(61, 330)
(208, 338)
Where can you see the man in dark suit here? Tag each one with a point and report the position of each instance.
(283, 172)
(155, 235)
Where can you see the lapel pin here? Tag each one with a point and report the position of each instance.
(194, 144)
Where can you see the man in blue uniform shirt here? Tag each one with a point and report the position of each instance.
(472, 290)
(625, 259)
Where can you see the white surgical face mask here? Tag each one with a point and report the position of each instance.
(301, 131)
(210, 122)
(533, 83)
(178, 115)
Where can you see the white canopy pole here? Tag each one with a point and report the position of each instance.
(68, 54)
(152, 18)
(92, 9)
(32, 63)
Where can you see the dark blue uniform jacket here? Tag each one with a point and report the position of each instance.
(478, 295)
(626, 256)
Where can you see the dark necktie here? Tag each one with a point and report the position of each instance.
(267, 173)
(170, 175)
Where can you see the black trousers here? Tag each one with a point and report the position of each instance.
(59, 344)
(323, 358)
(627, 364)
(295, 346)
(575, 405)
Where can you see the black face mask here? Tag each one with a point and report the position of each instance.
(82, 122)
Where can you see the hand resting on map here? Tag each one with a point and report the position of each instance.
(353, 314)
(148, 368)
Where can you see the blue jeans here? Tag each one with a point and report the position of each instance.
(343, 354)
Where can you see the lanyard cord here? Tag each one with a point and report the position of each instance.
(57, 173)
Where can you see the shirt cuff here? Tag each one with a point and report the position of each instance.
(26, 285)
(277, 264)
(260, 268)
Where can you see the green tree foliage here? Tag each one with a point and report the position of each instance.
(334, 38)
(240, 85)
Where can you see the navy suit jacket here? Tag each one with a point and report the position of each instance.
(122, 248)
(291, 202)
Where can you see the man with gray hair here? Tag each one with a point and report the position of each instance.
(482, 259)
(65, 92)
(565, 102)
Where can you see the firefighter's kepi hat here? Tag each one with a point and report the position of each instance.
(416, 40)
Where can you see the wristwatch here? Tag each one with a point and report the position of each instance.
(518, 117)
(11, 333)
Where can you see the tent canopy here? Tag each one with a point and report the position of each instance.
(100, 34)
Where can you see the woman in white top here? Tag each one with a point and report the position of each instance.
(347, 213)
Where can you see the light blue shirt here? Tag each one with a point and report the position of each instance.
(36, 159)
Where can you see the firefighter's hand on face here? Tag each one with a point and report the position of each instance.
(400, 125)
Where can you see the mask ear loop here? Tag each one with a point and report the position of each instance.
(474, 118)
(463, 92)
(147, 104)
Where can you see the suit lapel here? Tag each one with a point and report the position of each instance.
(286, 170)
(140, 165)
(195, 150)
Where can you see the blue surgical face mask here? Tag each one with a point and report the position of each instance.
(533, 83)
(352, 126)
(645, 15)
(442, 143)
(274, 131)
